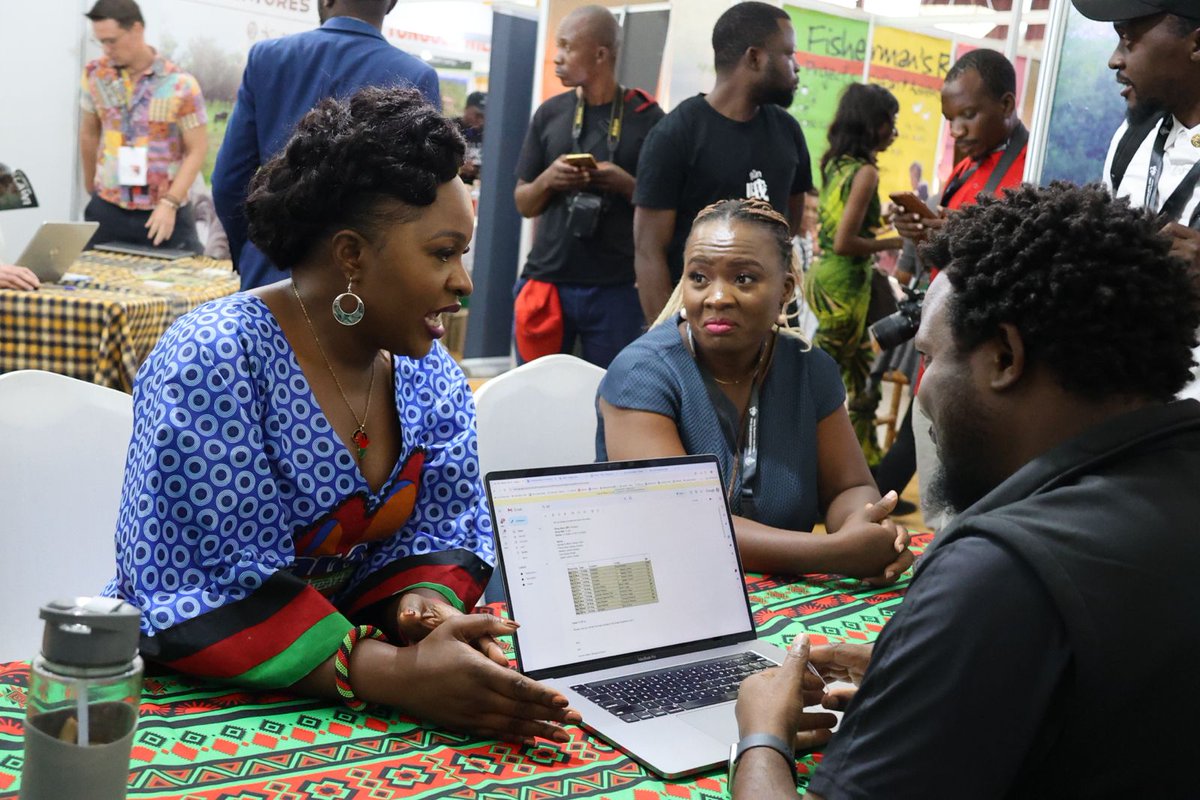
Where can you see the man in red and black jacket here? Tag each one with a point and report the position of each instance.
(979, 100)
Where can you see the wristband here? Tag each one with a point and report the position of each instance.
(749, 742)
(341, 664)
(171, 201)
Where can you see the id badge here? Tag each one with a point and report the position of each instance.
(131, 166)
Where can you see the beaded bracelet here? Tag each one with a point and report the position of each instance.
(171, 201)
(341, 664)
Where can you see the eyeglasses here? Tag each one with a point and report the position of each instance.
(110, 41)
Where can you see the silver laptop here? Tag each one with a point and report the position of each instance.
(626, 580)
(54, 248)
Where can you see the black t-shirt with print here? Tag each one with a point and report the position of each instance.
(698, 156)
(557, 256)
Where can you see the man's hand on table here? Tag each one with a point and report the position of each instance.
(445, 680)
(421, 611)
(842, 662)
(14, 277)
(161, 224)
(772, 702)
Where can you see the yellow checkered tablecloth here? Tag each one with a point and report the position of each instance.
(185, 283)
(101, 322)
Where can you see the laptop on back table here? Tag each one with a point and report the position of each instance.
(626, 580)
(54, 248)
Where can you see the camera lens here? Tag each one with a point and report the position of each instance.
(896, 329)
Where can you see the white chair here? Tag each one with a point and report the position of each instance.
(62, 459)
(540, 414)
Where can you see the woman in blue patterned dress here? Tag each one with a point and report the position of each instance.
(304, 455)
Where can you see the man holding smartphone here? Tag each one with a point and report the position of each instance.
(576, 175)
(979, 101)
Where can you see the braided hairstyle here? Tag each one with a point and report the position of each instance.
(345, 158)
(1085, 278)
(756, 212)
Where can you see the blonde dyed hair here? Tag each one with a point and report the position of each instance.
(757, 212)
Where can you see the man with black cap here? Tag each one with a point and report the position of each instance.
(1154, 158)
(470, 125)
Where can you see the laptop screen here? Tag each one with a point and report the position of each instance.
(607, 560)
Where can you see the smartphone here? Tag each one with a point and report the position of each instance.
(585, 160)
(912, 204)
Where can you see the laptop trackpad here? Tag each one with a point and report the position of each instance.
(717, 721)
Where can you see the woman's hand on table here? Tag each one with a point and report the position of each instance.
(871, 546)
(161, 224)
(14, 277)
(444, 679)
(421, 611)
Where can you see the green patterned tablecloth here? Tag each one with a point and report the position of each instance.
(200, 741)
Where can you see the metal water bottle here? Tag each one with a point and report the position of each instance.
(84, 691)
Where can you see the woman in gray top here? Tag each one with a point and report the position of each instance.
(716, 374)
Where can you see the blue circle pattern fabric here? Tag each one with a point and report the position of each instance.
(232, 462)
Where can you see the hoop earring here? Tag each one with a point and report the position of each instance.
(348, 317)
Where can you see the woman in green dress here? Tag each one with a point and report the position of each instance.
(839, 284)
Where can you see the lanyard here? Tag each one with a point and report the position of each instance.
(958, 182)
(750, 453)
(742, 439)
(1011, 149)
(614, 123)
(1174, 205)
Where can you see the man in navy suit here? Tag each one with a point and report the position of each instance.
(284, 78)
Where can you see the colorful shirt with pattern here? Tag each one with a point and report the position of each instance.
(247, 535)
(152, 110)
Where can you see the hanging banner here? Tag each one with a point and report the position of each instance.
(830, 52)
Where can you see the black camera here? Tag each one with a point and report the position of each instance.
(897, 328)
(583, 214)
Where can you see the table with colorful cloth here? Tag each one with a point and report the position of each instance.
(201, 741)
(100, 321)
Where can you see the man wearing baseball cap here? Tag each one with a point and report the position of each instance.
(1154, 157)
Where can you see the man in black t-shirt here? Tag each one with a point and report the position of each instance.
(736, 141)
(578, 281)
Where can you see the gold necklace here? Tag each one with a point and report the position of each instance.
(359, 437)
(753, 370)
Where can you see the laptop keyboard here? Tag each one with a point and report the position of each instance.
(674, 689)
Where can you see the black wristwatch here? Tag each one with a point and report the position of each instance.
(738, 749)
